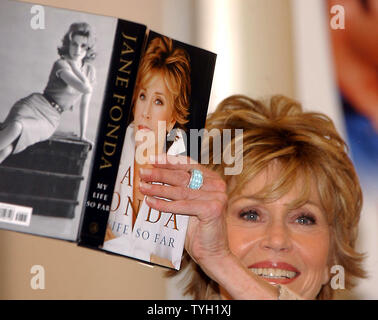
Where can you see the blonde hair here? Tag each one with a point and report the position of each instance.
(162, 56)
(306, 145)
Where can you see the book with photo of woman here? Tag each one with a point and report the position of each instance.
(168, 89)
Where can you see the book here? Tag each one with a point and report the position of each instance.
(78, 88)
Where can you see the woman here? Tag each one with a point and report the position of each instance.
(36, 117)
(160, 104)
(275, 230)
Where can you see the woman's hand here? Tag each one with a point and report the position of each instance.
(76, 78)
(73, 64)
(206, 239)
(70, 62)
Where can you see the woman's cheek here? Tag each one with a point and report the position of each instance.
(241, 240)
(318, 247)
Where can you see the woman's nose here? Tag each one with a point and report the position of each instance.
(147, 110)
(277, 237)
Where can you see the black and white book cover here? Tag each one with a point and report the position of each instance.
(54, 70)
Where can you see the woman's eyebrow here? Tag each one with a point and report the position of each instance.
(243, 197)
(312, 203)
(295, 204)
(290, 205)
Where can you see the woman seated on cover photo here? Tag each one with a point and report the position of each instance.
(160, 109)
(36, 117)
(275, 230)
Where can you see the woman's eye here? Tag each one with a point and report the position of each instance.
(250, 215)
(142, 96)
(305, 220)
(158, 102)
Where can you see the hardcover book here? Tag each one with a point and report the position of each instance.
(86, 99)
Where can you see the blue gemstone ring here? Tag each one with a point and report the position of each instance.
(196, 179)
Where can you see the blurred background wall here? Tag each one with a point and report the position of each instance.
(264, 47)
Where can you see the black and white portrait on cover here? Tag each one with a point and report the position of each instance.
(51, 93)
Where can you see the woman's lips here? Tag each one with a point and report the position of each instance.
(142, 127)
(275, 272)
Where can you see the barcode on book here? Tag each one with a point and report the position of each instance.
(10, 213)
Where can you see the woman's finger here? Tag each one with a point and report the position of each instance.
(179, 162)
(181, 178)
(179, 193)
(203, 210)
(171, 177)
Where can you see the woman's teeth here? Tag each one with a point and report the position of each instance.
(274, 273)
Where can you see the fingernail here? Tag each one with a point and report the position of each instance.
(151, 200)
(145, 171)
(144, 185)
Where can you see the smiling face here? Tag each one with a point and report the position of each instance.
(279, 241)
(154, 103)
(78, 47)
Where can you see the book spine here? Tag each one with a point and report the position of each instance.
(127, 49)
